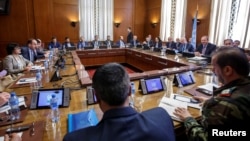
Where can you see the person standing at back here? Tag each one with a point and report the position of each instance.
(130, 35)
(121, 122)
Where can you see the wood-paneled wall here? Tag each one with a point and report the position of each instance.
(38, 19)
(204, 8)
(153, 12)
(46, 18)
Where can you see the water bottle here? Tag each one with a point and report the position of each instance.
(46, 64)
(54, 109)
(14, 106)
(39, 78)
(132, 88)
(131, 100)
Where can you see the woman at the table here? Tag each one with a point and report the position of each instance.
(15, 63)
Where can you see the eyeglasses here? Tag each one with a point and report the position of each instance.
(17, 48)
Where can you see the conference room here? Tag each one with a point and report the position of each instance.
(166, 47)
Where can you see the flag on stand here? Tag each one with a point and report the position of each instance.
(194, 31)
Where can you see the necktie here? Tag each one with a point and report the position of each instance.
(183, 47)
(204, 49)
(134, 43)
(31, 55)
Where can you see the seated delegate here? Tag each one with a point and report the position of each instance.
(15, 63)
(120, 121)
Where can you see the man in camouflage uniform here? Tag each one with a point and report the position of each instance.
(229, 108)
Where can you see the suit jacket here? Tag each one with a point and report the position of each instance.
(177, 45)
(125, 124)
(189, 48)
(209, 49)
(81, 44)
(134, 43)
(13, 66)
(25, 51)
(159, 46)
(99, 43)
(118, 43)
(107, 42)
(148, 45)
(172, 45)
(129, 37)
(52, 45)
(65, 44)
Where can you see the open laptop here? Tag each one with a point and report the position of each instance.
(115, 46)
(103, 47)
(71, 48)
(88, 47)
(188, 54)
(171, 52)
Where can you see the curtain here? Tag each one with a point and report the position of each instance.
(165, 27)
(178, 12)
(180, 18)
(96, 18)
(219, 21)
(241, 28)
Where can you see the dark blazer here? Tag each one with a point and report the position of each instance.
(52, 45)
(93, 43)
(159, 46)
(82, 44)
(148, 44)
(25, 51)
(172, 45)
(132, 43)
(119, 44)
(65, 44)
(177, 45)
(209, 49)
(125, 124)
(107, 41)
(189, 48)
(129, 37)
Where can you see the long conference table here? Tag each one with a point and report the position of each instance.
(77, 78)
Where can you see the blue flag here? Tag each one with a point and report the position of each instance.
(194, 31)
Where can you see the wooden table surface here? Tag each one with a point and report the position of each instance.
(78, 100)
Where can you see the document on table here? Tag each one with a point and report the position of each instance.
(26, 80)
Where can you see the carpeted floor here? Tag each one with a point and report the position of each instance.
(91, 71)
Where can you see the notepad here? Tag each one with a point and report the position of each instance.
(170, 105)
(26, 80)
(82, 120)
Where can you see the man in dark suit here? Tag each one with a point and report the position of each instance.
(205, 48)
(108, 42)
(171, 44)
(134, 42)
(185, 46)
(31, 53)
(130, 35)
(82, 43)
(121, 122)
(96, 43)
(54, 43)
(121, 43)
(67, 43)
(148, 43)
